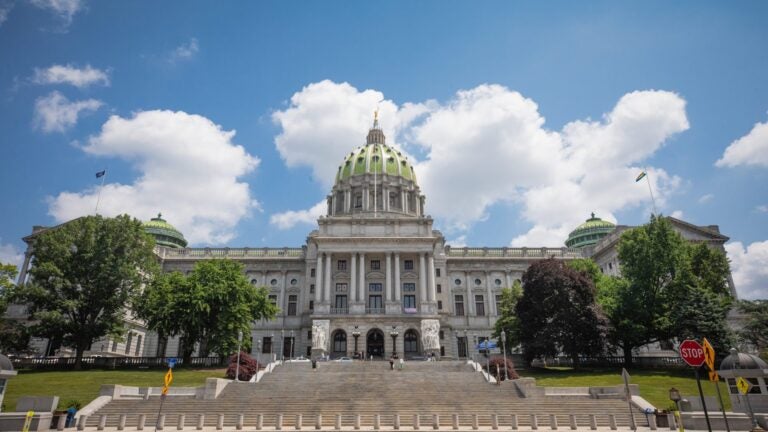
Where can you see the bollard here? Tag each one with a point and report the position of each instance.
(474, 422)
(259, 421)
(357, 421)
(376, 422)
(572, 420)
(200, 421)
(415, 422)
(180, 423)
(338, 422)
(297, 426)
(494, 421)
(592, 422)
(455, 421)
(534, 423)
(142, 421)
(61, 423)
(513, 422)
(102, 422)
(396, 422)
(160, 422)
(319, 421)
(279, 422)
(652, 421)
(435, 421)
(81, 422)
(671, 421)
(612, 421)
(220, 422)
(240, 421)
(553, 422)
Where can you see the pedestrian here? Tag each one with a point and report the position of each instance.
(391, 363)
(401, 364)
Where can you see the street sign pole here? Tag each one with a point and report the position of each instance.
(625, 375)
(709, 359)
(703, 403)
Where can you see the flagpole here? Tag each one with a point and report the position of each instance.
(98, 198)
(650, 190)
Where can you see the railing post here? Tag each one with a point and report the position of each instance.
(180, 423)
(552, 421)
(513, 422)
(240, 421)
(161, 422)
(652, 421)
(319, 421)
(534, 423)
(494, 421)
(572, 420)
(142, 422)
(81, 422)
(396, 422)
(376, 422)
(592, 422)
(220, 422)
(357, 421)
(200, 421)
(455, 421)
(121, 422)
(61, 423)
(475, 425)
(259, 421)
(435, 421)
(338, 422)
(298, 422)
(102, 422)
(612, 421)
(671, 421)
(279, 422)
(415, 422)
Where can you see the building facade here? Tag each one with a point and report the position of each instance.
(375, 278)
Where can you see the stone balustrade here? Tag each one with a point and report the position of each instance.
(509, 252)
(210, 253)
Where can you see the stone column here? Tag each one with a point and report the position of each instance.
(432, 285)
(283, 306)
(353, 277)
(508, 277)
(397, 277)
(319, 278)
(491, 298)
(385, 195)
(333, 203)
(366, 199)
(361, 287)
(25, 267)
(327, 275)
(470, 300)
(388, 277)
(403, 203)
(422, 279)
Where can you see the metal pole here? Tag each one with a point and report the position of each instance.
(504, 351)
(292, 346)
(239, 342)
(703, 403)
(722, 407)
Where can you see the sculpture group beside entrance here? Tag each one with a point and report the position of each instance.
(430, 335)
(320, 330)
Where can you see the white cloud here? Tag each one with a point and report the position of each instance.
(762, 208)
(458, 242)
(189, 171)
(749, 268)
(751, 149)
(289, 219)
(64, 9)
(488, 145)
(5, 9)
(55, 113)
(678, 214)
(80, 78)
(705, 198)
(10, 255)
(185, 51)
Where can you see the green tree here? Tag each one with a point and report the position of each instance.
(207, 307)
(507, 320)
(14, 336)
(755, 330)
(83, 275)
(558, 313)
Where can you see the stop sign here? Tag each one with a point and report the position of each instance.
(692, 353)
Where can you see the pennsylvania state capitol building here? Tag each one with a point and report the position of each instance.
(375, 277)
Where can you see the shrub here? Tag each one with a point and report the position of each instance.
(497, 364)
(248, 367)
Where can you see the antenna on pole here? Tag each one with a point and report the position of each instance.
(103, 175)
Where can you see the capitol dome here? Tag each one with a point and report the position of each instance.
(589, 233)
(164, 233)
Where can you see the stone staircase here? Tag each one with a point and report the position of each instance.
(368, 389)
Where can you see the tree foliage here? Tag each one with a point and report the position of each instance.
(508, 320)
(14, 336)
(755, 330)
(208, 307)
(248, 367)
(83, 274)
(558, 313)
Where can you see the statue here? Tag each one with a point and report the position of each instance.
(430, 334)
(320, 335)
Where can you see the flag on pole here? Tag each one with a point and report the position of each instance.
(101, 174)
(640, 176)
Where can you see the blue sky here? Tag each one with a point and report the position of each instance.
(522, 117)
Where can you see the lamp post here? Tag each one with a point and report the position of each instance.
(271, 344)
(239, 343)
(258, 350)
(291, 353)
(504, 351)
(356, 334)
(674, 396)
(282, 344)
(488, 358)
(394, 334)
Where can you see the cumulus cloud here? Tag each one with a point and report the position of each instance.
(190, 170)
(677, 214)
(68, 74)
(184, 51)
(9, 254)
(291, 218)
(5, 9)
(751, 149)
(762, 208)
(705, 198)
(749, 270)
(489, 145)
(55, 113)
(64, 9)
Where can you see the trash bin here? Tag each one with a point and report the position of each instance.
(314, 364)
(70, 417)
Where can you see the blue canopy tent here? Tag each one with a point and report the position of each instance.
(486, 345)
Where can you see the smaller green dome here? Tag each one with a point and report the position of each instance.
(589, 233)
(164, 233)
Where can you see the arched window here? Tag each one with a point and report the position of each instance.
(411, 342)
(340, 343)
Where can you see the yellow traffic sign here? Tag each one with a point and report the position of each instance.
(28, 421)
(713, 376)
(709, 354)
(167, 380)
(742, 385)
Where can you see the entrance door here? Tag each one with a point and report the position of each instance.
(339, 344)
(411, 343)
(375, 343)
(462, 343)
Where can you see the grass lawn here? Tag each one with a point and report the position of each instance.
(84, 385)
(654, 384)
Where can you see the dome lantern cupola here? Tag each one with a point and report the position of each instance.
(375, 134)
(589, 233)
(164, 233)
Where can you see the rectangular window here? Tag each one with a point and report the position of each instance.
(409, 287)
(439, 288)
(311, 272)
(359, 201)
(266, 345)
(273, 299)
(375, 287)
(341, 302)
(292, 299)
(341, 265)
(439, 305)
(311, 305)
(498, 305)
(341, 287)
(375, 265)
(437, 272)
(374, 302)
(459, 303)
(312, 288)
(138, 346)
(479, 305)
(409, 303)
(408, 264)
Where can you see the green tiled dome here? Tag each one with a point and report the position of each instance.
(375, 157)
(589, 233)
(164, 233)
